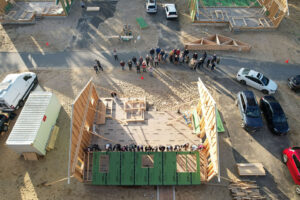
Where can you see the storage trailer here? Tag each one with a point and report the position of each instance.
(32, 130)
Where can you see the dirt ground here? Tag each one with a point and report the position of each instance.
(83, 30)
(171, 86)
(21, 179)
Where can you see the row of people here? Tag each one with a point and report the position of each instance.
(147, 148)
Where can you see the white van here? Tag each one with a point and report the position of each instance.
(15, 88)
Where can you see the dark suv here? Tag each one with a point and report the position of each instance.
(274, 115)
(250, 112)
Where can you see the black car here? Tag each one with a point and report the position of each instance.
(275, 117)
(250, 112)
(294, 82)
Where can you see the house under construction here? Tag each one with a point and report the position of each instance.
(127, 121)
(239, 15)
(27, 12)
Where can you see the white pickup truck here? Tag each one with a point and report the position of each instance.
(15, 88)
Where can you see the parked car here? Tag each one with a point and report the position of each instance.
(151, 6)
(4, 120)
(257, 80)
(274, 115)
(291, 157)
(171, 12)
(15, 88)
(294, 82)
(250, 112)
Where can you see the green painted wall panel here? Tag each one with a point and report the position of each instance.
(127, 168)
(141, 174)
(113, 176)
(169, 168)
(155, 173)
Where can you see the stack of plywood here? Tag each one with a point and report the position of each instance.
(251, 169)
(241, 190)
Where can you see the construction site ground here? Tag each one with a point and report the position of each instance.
(64, 66)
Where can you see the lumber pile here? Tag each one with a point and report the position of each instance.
(218, 42)
(135, 109)
(53, 136)
(245, 190)
(251, 169)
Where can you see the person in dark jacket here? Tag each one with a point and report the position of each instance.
(141, 59)
(157, 50)
(147, 60)
(195, 56)
(99, 65)
(213, 65)
(117, 147)
(122, 64)
(152, 51)
(129, 63)
(214, 58)
(138, 68)
(208, 63)
(162, 148)
(96, 69)
(134, 60)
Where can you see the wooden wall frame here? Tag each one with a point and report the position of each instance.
(82, 119)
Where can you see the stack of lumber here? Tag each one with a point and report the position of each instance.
(251, 169)
(245, 190)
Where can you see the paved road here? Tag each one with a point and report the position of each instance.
(229, 65)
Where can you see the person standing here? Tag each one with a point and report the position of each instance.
(96, 69)
(134, 60)
(82, 4)
(129, 63)
(115, 54)
(156, 61)
(147, 60)
(208, 62)
(195, 56)
(151, 62)
(162, 54)
(150, 71)
(157, 51)
(144, 66)
(200, 63)
(122, 63)
(185, 53)
(204, 56)
(187, 59)
(213, 65)
(99, 65)
(138, 68)
(152, 51)
(214, 58)
(141, 59)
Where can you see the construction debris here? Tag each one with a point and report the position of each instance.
(218, 42)
(245, 190)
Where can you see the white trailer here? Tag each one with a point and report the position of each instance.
(15, 88)
(32, 130)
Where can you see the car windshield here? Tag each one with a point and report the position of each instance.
(265, 80)
(173, 13)
(297, 80)
(251, 112)
(280, 119)
(245, 72)
(151, 7)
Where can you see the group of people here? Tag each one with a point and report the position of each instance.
(159, 55)
(147, 148)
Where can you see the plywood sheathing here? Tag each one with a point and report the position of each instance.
(218, 43)
(82, 119)
(206, 110)
(277, 10)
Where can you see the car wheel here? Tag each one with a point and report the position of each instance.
(265, 91)
(243, 82)
(284, 158)
(5, 128)
(298, 189)
(21, 103)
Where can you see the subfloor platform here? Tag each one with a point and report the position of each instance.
(26, 12)
(236, 17)
(157, 128)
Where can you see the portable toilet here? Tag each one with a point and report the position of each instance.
(32, 129)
